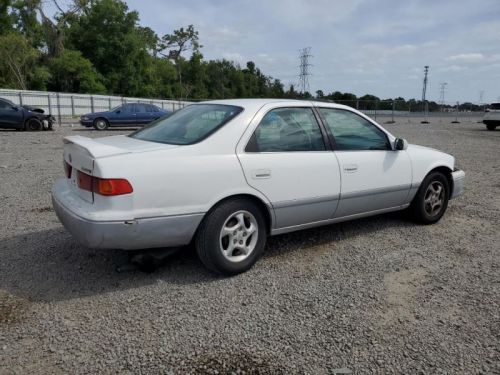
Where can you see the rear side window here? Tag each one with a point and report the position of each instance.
(353, 132)
(286, 130)
(188, 125)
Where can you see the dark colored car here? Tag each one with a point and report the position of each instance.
(23, 117)
(129, 114)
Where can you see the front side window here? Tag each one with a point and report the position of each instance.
(127, 108)
(353, 132)
(287, 129)
(4, 104)
(188, 125)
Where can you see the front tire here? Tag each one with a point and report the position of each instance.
(100, 124)
(231, 237)
(33, 124)
(431, 201)
(491, 126)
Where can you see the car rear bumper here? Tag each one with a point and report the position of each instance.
(458, 177)
(142, 233)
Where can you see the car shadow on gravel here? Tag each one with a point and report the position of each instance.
(51, 266)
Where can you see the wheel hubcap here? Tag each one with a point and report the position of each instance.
(238, 236)
(434, 198)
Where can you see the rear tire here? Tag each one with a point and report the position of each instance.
(33, 124)
(431, 200)
(491, 126)
(232, 237)
(100, 124)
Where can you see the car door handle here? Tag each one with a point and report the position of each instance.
(261, 174)
(350, 168)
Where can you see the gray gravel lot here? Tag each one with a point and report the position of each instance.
(378, 295)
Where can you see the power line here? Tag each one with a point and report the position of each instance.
(424, 89)
(442, 88)
(425, 108)
(304, 74)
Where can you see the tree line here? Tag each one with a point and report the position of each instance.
(99, 47)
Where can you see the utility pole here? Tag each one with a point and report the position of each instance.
(424, 91)
(481, 96)
(304, 74)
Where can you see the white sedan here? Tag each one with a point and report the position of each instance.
(226, 174)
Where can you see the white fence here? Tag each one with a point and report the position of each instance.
(70, 105)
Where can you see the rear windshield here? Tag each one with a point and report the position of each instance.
(188, 125)
(495, 106)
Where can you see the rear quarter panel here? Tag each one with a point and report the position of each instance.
(173, 182)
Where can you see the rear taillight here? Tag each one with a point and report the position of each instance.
(67, 169)
(104, 186)
(112, 186)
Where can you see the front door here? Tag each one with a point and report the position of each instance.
(286, 160)
(10, 117)
(374, 177)
(143, 114)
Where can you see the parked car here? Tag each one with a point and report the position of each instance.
(17, 117)
(129, 114)
(492, 116)
(226, 174)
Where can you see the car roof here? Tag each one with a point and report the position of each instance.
(257, 103)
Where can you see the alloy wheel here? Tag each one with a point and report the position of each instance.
(238, 236)
(434, 198)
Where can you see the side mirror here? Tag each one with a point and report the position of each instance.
(118, 111)
(15, 108)
(400, 144)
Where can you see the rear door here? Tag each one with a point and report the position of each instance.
(285, 156)
(374, 177)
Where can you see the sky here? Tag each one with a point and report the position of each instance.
(378, 47)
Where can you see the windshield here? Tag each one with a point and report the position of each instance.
(188, 125)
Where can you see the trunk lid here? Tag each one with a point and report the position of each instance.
(81, 154)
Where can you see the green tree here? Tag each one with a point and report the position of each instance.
(108, 35)
(70, 72)
(18, 62)
(6, 19)
(173, 45)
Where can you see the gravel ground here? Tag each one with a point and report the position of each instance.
(378, 295)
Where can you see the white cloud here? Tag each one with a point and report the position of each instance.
(234, 56)
(360, 46)
(467, 57)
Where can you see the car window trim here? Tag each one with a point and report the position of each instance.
(324, 136)
(332, 137)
